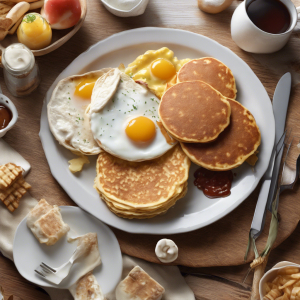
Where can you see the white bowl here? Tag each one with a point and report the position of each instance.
(271, 274)
(8, 103)
(139, 9)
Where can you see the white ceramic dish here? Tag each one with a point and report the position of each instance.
(9, 104)
(271, 274)
(139, 9)
(29, 253)
(194, 210)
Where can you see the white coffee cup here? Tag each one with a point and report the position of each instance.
(252, 39)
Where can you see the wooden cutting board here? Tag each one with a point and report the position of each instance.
(222, 243)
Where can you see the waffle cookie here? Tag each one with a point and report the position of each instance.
(11, 196)
(9, 173)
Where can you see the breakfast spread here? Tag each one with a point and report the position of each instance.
(87, 288)
(166, 250)
(133, 119)
(21, 73)
(285, 286)
(34, 32)
(12, 186)
(5, 116)
(194, 112)
(139, 285)
(46, 223)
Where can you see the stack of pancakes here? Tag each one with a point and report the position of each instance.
(142, 190)
(215, 131)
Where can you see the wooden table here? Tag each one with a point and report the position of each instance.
(99, 24)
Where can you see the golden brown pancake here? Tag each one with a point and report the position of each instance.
(233, 146)
(211, 71)
(194, 112)
(142, 189)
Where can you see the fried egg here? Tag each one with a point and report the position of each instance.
(156, 68)
(67, 115)
(123, 117)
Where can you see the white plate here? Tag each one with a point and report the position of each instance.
(194, 210)
(29, 253)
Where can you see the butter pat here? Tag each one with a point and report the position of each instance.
(76, 164)
(138, 285)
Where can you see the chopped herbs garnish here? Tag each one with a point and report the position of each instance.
(29, 18)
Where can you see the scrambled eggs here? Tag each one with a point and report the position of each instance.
(156, 68)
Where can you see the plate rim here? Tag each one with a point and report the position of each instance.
(166, 30)
(67, 207)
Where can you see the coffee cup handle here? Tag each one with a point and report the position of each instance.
(298, 9)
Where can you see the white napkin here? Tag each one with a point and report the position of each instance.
(168, 276)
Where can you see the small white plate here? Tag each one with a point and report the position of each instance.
(195, 210)
(29, 253)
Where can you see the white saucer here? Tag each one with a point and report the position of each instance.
(29, 253)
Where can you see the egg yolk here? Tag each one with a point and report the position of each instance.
(141, 129)
(163, 69)
(85, 88)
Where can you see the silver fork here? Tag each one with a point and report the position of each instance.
(57, 275)
(289, 176)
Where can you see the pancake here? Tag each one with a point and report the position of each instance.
(142, 189)
(238, 141)
(211, 71)
(194, 112)
(140, 214)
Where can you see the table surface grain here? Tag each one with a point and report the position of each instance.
(100, 24)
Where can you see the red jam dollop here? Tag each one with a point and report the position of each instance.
(214, 184)
(5, 116)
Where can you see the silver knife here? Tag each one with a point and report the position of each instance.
(269, 181)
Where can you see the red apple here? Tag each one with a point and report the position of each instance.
(61, 14)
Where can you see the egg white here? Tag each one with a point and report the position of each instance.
(108, 125)
(67, 116)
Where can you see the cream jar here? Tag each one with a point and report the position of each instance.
(21, 73)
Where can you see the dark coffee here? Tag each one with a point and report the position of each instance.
(269, 15)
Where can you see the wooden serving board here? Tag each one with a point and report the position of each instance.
(222, 243)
